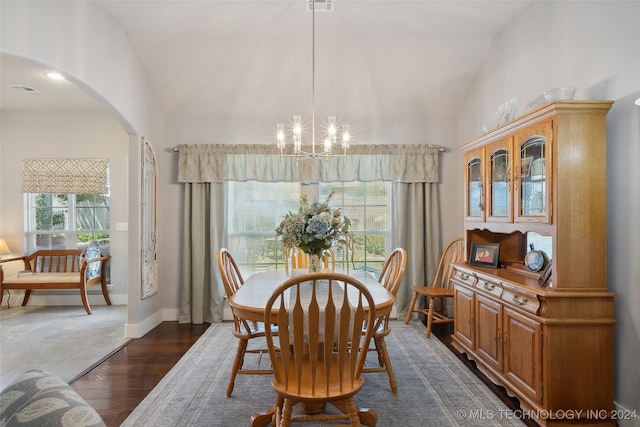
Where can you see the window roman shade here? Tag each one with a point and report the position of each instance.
(218, 163)
(77, 176)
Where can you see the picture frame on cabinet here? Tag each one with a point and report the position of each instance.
(543, 280)
(484, 254)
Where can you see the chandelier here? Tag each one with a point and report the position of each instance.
(330, 136)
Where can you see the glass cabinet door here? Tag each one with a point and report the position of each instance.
(533, 196)
(474, 174)
(499, 198)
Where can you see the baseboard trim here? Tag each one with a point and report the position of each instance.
(626, 417)
(138, 330)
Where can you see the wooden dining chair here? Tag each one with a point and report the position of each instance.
(390, 277)
(441, 288)
(244, 330)
(297, 259)
(321, 350)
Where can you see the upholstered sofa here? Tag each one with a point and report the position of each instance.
(40, 399)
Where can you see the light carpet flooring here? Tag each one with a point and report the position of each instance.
(63, 340)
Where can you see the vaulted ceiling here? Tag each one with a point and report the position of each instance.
(374, 59)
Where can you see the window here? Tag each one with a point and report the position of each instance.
(256, 208)
(66, 221)
(367, 205)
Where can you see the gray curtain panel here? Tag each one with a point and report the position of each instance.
(202, 292)
(416, 227)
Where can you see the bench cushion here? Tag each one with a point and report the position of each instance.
(43, 278)
(40, 399)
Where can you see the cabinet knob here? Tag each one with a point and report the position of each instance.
(489, 286)
(464, 276)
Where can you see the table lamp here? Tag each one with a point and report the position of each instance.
(4, 249)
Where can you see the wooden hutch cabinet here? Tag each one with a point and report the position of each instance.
(548, 343)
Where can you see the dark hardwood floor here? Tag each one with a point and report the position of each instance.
(444, 331)
(119, 383)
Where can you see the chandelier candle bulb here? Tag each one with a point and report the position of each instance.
(332, 128)
(345, 136)
(327, 143)
(297, 133)
(280, 135)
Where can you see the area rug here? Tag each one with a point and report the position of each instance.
(434, 387)
(63, 340)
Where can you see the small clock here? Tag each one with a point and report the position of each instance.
(535, 260)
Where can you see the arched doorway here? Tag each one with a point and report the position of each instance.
(56, 119)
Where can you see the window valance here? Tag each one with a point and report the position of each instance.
(219, 163)
(77, 176)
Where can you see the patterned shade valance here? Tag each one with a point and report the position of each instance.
(78, 176)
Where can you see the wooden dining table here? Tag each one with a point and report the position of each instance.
(250, 300)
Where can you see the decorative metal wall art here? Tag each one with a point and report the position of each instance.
(149, 220)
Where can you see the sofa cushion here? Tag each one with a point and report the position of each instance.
(40, 399)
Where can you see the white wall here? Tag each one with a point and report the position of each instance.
(55, 135)
(593, 46)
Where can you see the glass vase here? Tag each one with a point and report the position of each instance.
(315, 263)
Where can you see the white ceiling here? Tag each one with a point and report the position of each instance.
(49, 94)
(373, 59)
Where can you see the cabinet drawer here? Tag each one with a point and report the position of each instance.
(464, 277)
(490, 287)
(521, 299)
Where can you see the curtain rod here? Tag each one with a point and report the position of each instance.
(439, 147)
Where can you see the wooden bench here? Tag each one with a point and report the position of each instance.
(56, 269)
